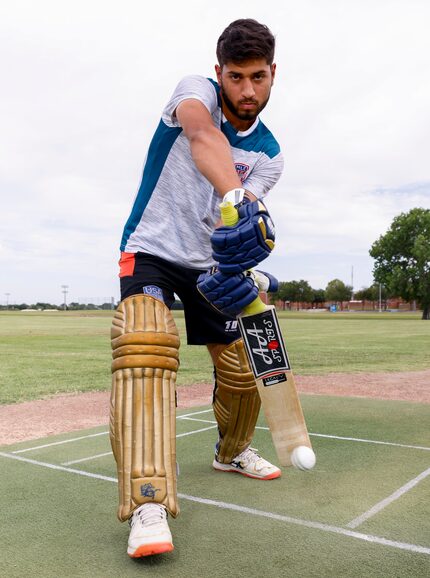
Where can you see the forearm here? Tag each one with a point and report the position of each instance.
(210, 149)
(211, 154)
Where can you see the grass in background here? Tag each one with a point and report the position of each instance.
(44, 353)
(321, 343)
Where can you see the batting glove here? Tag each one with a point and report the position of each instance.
(265, 281)
(247, 243)
(230, 294)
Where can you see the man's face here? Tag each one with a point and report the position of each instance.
(245, 90)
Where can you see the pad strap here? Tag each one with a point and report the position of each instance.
(236, 402)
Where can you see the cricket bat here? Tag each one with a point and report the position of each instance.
(268, 358)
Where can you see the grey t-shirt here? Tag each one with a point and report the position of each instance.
(176, 208)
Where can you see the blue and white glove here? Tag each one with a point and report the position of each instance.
(264, 281)
(230, 294)
(247, 243)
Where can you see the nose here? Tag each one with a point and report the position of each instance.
(248, 91)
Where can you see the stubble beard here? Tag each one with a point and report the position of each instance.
(246, 114)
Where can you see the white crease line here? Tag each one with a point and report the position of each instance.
(195, 413)
(387, 501)
(365, 441)
(244, 510)
(188, 417)
(89, 458)
(60, 468)
(59, 443)
(332, 437)
(310, 524)
(189, 433)
(215, 422)
(30, 449)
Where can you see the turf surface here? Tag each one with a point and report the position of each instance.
(59, 523)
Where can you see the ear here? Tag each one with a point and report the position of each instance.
(218, 73)
(273, 71)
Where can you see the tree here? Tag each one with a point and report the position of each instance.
(365, 294)
(294, 291)
(280, 294)
(402, 258)
(40, 305)
(373, 293)
(319, 296)
(337, 291)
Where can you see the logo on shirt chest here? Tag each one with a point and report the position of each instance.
(242, 171)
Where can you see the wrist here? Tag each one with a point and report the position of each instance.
(234, 196)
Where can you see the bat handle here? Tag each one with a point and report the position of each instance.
(230, 217)
(256, 306)
(229, 214)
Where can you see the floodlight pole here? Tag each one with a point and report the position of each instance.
(65, 288)
(380, 298)
(7, 300)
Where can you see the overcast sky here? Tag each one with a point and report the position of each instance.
(83, 84)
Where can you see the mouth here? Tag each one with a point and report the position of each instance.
(247, 105)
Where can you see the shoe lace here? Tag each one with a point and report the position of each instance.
(250, 456)
(151, 514)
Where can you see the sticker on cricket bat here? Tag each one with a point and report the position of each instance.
(265, 346)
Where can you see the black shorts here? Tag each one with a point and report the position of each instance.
(144, 273)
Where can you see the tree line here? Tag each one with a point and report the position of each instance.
(401, 269)
(42, 306)
(336, 291)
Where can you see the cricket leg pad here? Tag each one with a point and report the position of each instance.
(236, 402)
(145, 351)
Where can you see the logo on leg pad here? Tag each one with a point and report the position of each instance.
(148, 491)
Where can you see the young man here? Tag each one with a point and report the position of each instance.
(209, 143)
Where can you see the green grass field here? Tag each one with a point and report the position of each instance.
(361, 513)
(44, 353)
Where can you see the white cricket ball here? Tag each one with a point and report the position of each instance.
(303, 458)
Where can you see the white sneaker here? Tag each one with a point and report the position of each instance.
(149, 533)
(250, 463)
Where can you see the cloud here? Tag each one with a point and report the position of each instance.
(83, 88)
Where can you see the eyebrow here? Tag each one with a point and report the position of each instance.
(237, 73)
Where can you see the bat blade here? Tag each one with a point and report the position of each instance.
(269, 362)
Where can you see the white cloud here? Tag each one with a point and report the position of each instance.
(83, 87)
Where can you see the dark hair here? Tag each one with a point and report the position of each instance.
(245, 39)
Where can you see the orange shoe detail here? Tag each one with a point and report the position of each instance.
(151, 549)
(250, 464)
(271, 476)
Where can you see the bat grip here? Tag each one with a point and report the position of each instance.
(256, 306)
(229, 214)
(230, 217)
